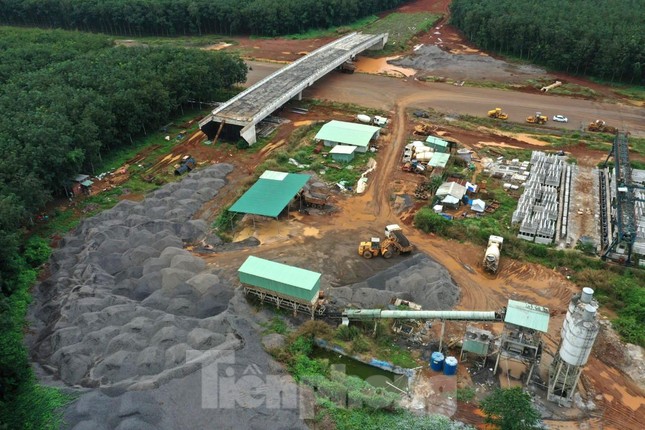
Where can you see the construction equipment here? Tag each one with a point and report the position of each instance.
(375, 247)
(538, 118)
(491, 258)
(402, 244)
(602, 127)
(497, 114)
(424, 129)
(413, 166)
(395, 242)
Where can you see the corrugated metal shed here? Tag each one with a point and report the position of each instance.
(347, 133)
(527, 315)
(343, 153)
(270, 194)
(438, 144)
(451, 189)
(439, 160)
(280, 278)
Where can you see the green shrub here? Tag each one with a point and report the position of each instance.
(430, 222)
(360, 344)
(37, 251)
(347, 332)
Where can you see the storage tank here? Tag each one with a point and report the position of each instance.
(464, 154)
(450, 366)
(436, 361)
(423, 157)
(579, 330)
(366, 119)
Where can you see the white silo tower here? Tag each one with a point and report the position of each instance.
(579, 333)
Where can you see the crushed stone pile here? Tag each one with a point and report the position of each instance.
(417, 278)
(127, 313)
(433, 59)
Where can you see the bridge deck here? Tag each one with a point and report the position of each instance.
(260, 100)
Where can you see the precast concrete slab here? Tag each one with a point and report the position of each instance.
(257, 102)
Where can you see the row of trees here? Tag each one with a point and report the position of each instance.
(601, 38)
(186, 17)
(66, 99)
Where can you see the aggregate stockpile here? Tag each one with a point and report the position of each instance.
(128, 318)
(491, 258)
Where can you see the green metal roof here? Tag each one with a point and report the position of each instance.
(436, 141)
(270, 194)
(347, 132)
(439, 159)
(280, 278)
(527, 315)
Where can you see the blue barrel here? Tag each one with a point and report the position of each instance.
(436, 361)
(450, 366)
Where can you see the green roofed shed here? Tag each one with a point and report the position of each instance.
(439, 145)
(439, 160)
(348, 133)
(276, 278)
(527, 315)
(270, 194)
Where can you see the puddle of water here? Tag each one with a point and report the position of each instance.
(372, 375)
(381, 66)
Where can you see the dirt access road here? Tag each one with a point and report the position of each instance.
(384, 92)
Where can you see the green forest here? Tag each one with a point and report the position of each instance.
(190, 17)
(66, 99)
(599, 38)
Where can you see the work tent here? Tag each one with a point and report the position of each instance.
(270, 194)
(478, 205)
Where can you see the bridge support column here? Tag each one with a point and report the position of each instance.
(248, 134)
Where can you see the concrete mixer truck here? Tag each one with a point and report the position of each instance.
(491, 258)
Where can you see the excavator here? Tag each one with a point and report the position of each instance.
(537, 119)
(602, 127)
(497, 114)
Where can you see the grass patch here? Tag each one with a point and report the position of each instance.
(179, 41)
(465, 394)
(565, 89)
(402, 27)
(330, 32)
(276, 325)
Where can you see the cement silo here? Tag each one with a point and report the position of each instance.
(579, 333)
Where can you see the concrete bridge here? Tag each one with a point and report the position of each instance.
(239, 115)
